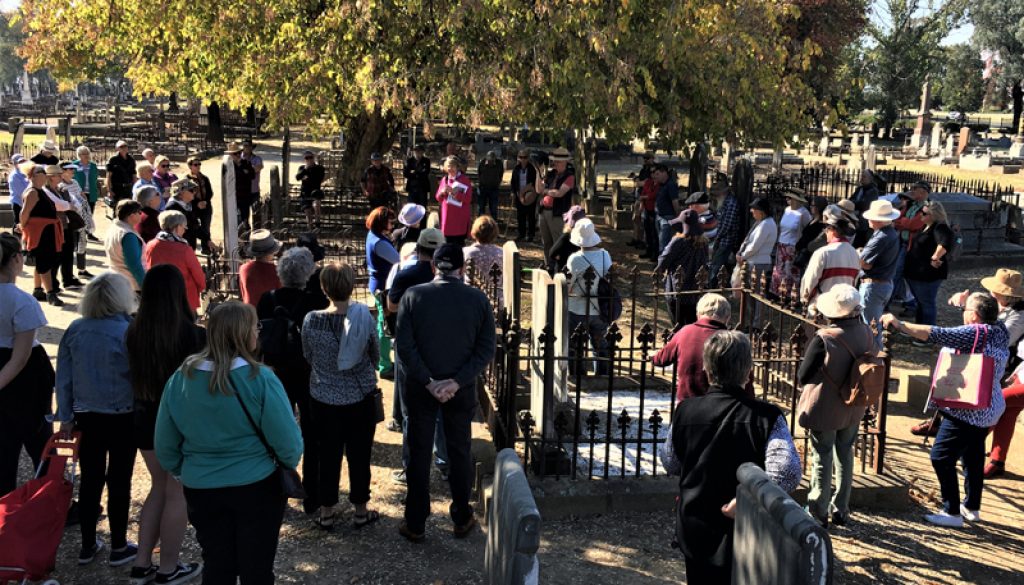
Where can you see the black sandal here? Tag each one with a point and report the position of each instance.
(327, 522)
(359, 521)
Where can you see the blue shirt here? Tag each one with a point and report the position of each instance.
(92, 368)
(18, 183)
(880, 252)
(667, 194)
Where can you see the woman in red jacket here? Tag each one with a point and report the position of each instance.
(169, 247)
(455, 194)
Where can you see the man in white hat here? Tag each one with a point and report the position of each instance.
(120, 174)
(822, 411)
(489, 174)
(557, 191)
(47, 155)
(878, 260)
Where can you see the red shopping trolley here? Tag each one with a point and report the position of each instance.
(32, 516)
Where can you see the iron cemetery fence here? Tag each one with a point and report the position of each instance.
(540, 397)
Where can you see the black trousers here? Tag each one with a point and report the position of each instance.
(457, 415)
(238, 529)
(526, 219)
(20, 429)
(244, 205)
(651, 233)
(67, 257)
(700, 572)
(296, 385)
(106, 456)
(417, 196)
(344, 431)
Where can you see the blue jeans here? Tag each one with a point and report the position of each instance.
(958, 440)
(665, 232)
(875, 296)
(488, 198)
(826, 445)
(926, 294)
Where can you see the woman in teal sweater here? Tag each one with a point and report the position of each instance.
(204, 437)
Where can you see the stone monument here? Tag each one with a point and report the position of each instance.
(935, 144)
(964, 141)
(1017, 148)
(26, 89)
(550, 296)
(924, 119)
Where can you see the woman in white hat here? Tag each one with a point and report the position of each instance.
(794, 219)
(583, 307)
(878, 261)
(822, 411)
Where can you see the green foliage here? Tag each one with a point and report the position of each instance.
(905, 51)
(11, 65)
(959, 86)
(999, 26)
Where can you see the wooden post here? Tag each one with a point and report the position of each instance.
(277, 201)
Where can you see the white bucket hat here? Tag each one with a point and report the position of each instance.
(881, 210)
(584, 234)
(842, 300)
(411, 214)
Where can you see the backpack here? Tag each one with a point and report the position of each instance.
(609, 301)
(279, 337)
(867, 378)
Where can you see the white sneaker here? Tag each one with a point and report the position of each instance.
(969, 515)
(944, 519)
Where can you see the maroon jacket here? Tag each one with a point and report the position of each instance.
(686, 352)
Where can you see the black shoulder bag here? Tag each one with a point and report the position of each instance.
(291, 484)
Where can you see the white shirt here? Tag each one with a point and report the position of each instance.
(792, 225)
(578, 263)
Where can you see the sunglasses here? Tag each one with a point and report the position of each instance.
(193, 164)
(165, 166)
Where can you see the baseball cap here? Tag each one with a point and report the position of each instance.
(430, 238)
(449, 257)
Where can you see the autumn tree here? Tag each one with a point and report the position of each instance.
(688, 70)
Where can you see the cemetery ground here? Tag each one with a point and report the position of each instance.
(879, 545)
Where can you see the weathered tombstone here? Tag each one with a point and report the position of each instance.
(727, 156)
(924, 119)
(936, 141)
(511, 281)
(230, 207)
(823, 145)
(856, 161)
(26, 89)
(547, 379)
(855, 143)
(774, 539)
(950, 147)
(976, 161)
(867, 140)
(871, 158)
(964, 142)
(883, 133)
(513, 526)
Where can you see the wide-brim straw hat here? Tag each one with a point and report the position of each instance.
(584, 234)
(1005, 282)
(840, 301)
(795, 193)
(233, 148)
(54, 171)
(262, 243)
(881, 210)
(559, 154)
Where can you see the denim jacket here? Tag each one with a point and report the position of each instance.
(92, 368)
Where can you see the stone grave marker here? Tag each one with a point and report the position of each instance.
(964, 141)
(549, 307)
(936, 141)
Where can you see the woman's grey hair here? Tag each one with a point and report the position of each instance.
(172, 219)
(108, 294)
(727, 358)
(295, 266)
(714, 306)
(984, 306)
(82, 150)
(452, 160)
(143, 194)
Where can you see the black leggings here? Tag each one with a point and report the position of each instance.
(106, 455)
(344, 430)
(17, 430)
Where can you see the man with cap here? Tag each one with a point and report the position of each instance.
(183, 193)
(835, 263)
(831, 423)
(17, 182)
(878, 261)
(378, 183)
(311, 179)
(47, 155)
(556, 197)
(244, 175)
(700, 202)
(203, 202)
(729, 237)
(910, 223)
(523, 188)
(419, 271)
(417, 176)
(446, 338)
(257, 166)
(489, 174)
(410, 217)
(120, 174)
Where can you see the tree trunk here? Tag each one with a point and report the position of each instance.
(365, 134)
(286, 155)
(1018, 105)
(214, 128)
(172, 102)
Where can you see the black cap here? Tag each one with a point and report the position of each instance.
(449, 257)
(922, 185)
(762, 204)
